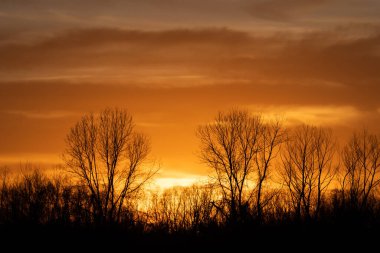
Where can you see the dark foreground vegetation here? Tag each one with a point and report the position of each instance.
(272, 188)
(39, 212)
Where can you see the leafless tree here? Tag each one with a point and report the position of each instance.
(270, 138)
(181, 208)
(108, 156)
(361, 175)
(239, 147)
(308, 168)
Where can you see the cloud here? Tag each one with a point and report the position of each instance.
(42, 114)
(108, 48)
(38, 159)
(181, 78)
(173, 68)
(285, 10)
(326, 66)
(53, 15)
(178, 111)
(44, 16)
(208, 56)
(323, 115)
(315, 13)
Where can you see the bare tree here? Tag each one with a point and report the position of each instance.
(181, 208)
(107, 155)
(239, 147)
(361, 175)
(308, 168)
(325, 163)
(270, 138)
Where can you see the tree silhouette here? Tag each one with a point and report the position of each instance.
(239, 147)
(308, 168)
(107, 155)
(270, 138)
(361, 174)
(109, 160)
(182, 208)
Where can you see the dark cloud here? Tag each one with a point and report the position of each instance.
(114, 46)
(196, 57)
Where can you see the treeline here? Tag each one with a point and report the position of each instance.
(264, 176)
(36, 199)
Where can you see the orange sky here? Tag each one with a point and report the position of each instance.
(175, 64)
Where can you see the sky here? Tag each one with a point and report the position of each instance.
(175, 63)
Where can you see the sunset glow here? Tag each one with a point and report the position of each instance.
(190, 125)
(168, 182)
(175, 64)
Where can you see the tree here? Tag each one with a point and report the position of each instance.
(107, 156)
(361, 175)
(181, 208)
(308, 168)
(270, 138)
(239, 147)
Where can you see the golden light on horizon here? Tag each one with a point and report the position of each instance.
(169, 182)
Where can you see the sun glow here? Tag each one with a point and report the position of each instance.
(168, 182)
